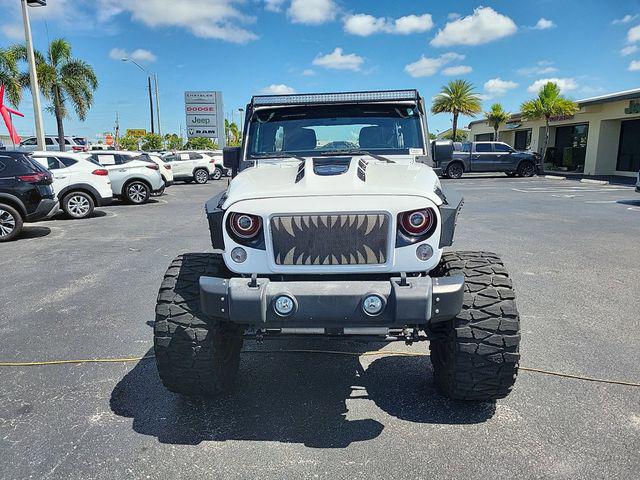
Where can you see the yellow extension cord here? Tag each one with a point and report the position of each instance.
(326, 352)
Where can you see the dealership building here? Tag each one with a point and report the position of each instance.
(602, 138)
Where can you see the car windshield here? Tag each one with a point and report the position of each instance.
(80, 140)
(384, 129)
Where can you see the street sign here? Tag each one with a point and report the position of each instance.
(204, 114)
(136, 132)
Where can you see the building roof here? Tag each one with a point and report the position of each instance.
(609, 97)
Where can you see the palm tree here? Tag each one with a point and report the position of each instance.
(10, 75)
(496, 116)
(65, 81)
(458, 97)
(549, 103)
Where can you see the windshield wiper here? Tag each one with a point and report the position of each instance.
(330, 153)
(267, 156)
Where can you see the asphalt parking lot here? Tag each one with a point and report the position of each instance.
(86, 289)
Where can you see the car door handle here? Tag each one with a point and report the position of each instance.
(60, 177)
(122, 169)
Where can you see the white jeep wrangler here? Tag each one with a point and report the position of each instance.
(335, 224)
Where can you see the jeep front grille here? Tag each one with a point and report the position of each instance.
(351, 239)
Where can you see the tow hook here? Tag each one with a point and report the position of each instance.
(410, 335)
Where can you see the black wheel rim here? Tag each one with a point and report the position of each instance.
(455, 171)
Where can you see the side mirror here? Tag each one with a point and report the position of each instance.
(231, 159)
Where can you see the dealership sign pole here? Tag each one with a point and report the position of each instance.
(205, 115)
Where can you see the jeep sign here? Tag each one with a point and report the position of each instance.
(205, 115)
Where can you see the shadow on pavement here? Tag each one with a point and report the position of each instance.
(293, 398)
(64, 217)
(33, 232)
(635, 203)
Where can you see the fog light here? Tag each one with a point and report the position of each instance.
(424, 252)
(284, 305)
(238, 255)
(373, 305)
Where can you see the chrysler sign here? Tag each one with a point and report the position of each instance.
(205, 115)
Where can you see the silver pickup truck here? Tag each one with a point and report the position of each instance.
(490, 157)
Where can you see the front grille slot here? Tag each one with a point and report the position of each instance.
(348, 239)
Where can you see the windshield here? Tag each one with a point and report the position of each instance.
(384, 129)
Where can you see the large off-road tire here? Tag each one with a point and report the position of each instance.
(475, 356)
(196, 355)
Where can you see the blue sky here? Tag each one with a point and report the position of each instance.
(243, 47)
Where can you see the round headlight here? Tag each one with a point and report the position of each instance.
(424, 252)
(238, 255)
(417, 222)
(245, 226)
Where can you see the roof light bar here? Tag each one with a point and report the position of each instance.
(347, 97)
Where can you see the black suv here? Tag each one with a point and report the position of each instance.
(26, 194)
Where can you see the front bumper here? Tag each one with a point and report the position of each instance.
(409, 302)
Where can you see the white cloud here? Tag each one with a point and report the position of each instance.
(497, 87)
(629, 50)
(277, 89)
(633, 35)
(413, 24)
(453, 16)
(483, 26)
(544, 24)
(337, 60)
(457, 70)
(625, 19)
(312, 12)
(308, 72)
(634, 66)
(565, 84)
(426, 67)
(273, 5)
(219, 19)
(363, 25)
(543, 67)
(13, 31)
(139, 55)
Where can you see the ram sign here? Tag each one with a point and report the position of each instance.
(205, 115)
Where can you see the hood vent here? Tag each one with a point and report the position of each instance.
(300, 174)
(362, 170)
(331, 166)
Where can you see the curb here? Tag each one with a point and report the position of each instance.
(596, 182)
(555, 177)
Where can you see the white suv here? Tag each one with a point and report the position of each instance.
(79, 184)
(73, 144)
(193, 166)
(132, 180)
(165, 169)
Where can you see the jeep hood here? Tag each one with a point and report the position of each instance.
(291, 178)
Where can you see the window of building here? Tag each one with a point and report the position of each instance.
(484, 137)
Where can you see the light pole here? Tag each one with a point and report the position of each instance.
(35, 89)
(150, 92)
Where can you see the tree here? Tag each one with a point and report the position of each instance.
(432, 136)
(129, 142)
(201, 143)
(151, 141)
(174, 142)
(549, 103)
(10, 75)
(457, 97)
(460, 136)
(65, 81)
(232, 133)
(496, 116)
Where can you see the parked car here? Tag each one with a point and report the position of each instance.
(26, 193)
(193, 166)
(216, 155)
(491, 157)
(165, 169)
(132, 180)
(100, 146)
(74, 144)
(79, 184)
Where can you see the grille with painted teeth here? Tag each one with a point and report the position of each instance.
(355, 239)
